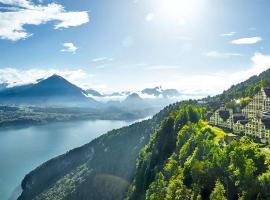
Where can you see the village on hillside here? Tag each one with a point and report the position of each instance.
(253, 120)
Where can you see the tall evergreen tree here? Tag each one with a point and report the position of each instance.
(219, 192)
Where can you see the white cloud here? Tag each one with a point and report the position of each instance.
(150, 17)
(215, 83)
(14, 76)
(69, 47)
(19, 3)
(25, 12)
(99, 59)
(216, 54)
(102, 59)
(228, 34)
(260, 63)
(250, 40)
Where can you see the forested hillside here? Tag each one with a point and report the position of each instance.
(182, 161)
(102, 169)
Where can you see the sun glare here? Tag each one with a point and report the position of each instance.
(178, 10)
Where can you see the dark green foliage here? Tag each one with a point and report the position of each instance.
(218, 192)
(161, 146)
(264, 183)
(109, 160)
(194, 167)
(180, 161)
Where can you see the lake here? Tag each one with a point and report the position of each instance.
(23, 149)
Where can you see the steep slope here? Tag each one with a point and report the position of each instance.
(182, 161)
(94, 93)
(102, 169)
(180, 158)
(54, 90)
(3, 86)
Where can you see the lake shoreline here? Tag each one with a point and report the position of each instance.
(31, 146)
(66, 121)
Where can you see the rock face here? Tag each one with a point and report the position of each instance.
(158, 91)
(54, 90)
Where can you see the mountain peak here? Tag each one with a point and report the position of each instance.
(52, 90)
(57, 81)
(133, 96)
(55, 77)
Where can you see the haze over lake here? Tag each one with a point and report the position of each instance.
(23, 149)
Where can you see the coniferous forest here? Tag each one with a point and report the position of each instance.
(181, 161)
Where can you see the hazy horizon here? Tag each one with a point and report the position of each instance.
(186, 45)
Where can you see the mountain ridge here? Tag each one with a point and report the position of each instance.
(54, 90)
(161, 128)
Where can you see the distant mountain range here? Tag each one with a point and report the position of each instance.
(181, 159)
(54, 90)
(3, 86)
(159, 92)
(93, 93)
(147, 93)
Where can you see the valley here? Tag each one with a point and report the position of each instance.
(20, 116)
(55, 99)
(173, 155)
(134, 100)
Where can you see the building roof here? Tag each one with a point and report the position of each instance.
(267, 91)
(224, 114)
(266, 122)
(243, 122)
(237, 117)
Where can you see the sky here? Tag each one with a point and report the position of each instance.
(195, 46)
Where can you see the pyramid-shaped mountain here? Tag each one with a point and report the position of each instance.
(54, 90)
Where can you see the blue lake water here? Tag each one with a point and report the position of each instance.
(23, 149)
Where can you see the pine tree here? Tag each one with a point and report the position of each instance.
(219, 192)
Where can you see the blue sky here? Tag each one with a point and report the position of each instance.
(196, 46)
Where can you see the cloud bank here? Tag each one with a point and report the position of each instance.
(215, 83)
(18, 13)
(15, 77)
(193, 86)
(217, 54)
(250, 40)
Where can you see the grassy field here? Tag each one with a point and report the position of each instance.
(220, 134)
